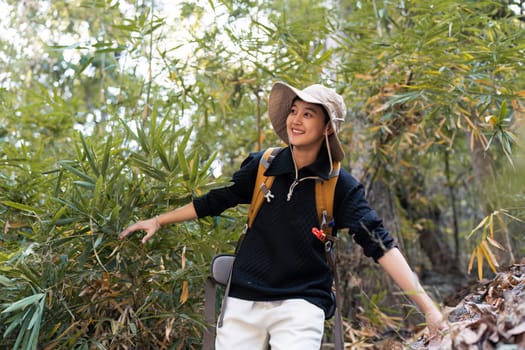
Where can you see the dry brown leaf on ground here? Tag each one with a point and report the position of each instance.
(492, 316)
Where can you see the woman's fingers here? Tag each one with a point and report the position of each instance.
(150, 226)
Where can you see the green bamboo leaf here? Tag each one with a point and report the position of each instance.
(37, 316)
(99, 240)
(13, 323)
(126, 27)
(206, 166)
(59, 213)
(117, 173)
(77, 45)
(194, 168)
(29, 274)
(99, 192)
(20, 206)
(152, 28)
(65, 164)
(33, 340)
(327, 54)
(109, 50)
(489, 142)
(148, 169)
(23, 303)
(185, 139)
(5, 281)
(115, 213)
(58, 185)
(161, 151)
(153, 122)
(128, 129)
(93, 4)
(183, 163)
(88, 151)
(22, 340)
(84, 66)
(66, 221)
(181, 156)
(503, 110)
(143, 139)
(106, 156)
(84, 184)
(4, 256)
(71, 205)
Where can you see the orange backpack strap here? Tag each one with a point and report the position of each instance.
(263, 183)
(324, 199)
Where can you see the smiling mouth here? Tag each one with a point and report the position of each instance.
(295, 131)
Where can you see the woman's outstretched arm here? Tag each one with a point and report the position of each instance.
(150, 226)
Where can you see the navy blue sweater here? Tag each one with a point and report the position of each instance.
(280, 258)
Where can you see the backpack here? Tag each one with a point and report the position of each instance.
(221, 265)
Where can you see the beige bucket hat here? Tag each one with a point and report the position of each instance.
(280, 102)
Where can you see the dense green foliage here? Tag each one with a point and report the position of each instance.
(114, 111)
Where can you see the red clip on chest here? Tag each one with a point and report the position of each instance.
(319, 234)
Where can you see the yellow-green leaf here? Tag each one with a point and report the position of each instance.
(480, 263)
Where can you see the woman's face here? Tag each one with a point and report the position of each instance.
(306, 125)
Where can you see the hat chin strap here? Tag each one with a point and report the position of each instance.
(327, 148)
(329, 152)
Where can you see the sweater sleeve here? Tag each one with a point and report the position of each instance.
(239, 191)
(354, 212)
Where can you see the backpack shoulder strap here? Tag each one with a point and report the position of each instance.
(263, 183)
(324, 191)
(324, 199)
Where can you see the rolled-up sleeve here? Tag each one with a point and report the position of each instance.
(240, 191)
(354, 212)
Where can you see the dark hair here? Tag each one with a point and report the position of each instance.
(325, 112)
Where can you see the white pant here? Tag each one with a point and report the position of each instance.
(293, 324)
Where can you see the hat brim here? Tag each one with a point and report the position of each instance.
(280, 102)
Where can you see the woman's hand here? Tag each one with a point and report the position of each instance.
(150, 226)
(436, 323)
